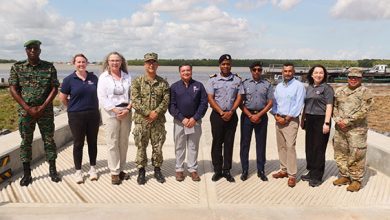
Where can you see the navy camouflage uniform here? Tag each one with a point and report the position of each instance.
(147, 96)
(35, 84)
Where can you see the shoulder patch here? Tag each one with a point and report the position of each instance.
(213, 75)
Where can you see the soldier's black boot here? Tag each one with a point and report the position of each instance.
(141, 180)
(26, 179)
(158, 175)
(53, 171)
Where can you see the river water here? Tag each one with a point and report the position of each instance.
(170, 73)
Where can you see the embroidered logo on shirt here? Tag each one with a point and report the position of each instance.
(195, 88)
(90, 82)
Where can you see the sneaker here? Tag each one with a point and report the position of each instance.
(79, 177)
(93, 176)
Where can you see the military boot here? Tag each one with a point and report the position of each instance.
(53, 171)
(354, 186)
(141, 180)
(342, 181)
(26, 179)
(158, 175)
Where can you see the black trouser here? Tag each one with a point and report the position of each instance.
(247, 128)
(223, 138)
(85, 123)
(315, 147)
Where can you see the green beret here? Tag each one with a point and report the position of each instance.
(354, 71)
(32, 42)
(150, 56)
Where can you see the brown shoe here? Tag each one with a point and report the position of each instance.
(292, 181)
(280, 174)
(180, 176)
(124, 176)
(195, 177)
(354, 186)
(342, 181)
(115, 180)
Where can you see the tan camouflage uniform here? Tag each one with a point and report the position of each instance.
(147, 96)
(350, 146)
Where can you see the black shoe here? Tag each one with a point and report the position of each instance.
(228, 176)
(244, 175)
(26, 179)
(53, 172)
(262, 175)
(306, 177)
(217, 176)
(158, 175)
(141, 180)
(315, 182)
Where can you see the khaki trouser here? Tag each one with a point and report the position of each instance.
(286, 136)
(117, 141)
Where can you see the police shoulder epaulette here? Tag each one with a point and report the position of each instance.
(268, 80)
(245, 80)
(213, 75)
(238, 75)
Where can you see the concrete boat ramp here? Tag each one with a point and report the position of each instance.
(252, 199)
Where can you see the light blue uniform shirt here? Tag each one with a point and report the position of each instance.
(257, 93)
(289, 98)
(225, 90)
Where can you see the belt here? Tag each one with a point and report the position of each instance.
(283, 116)
(254, 111)
(122, 105)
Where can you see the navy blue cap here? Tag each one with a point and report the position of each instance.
(224, 57)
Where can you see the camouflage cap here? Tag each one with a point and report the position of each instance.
(32, 42)
(150, 56)
(224, 57)
(356, 72)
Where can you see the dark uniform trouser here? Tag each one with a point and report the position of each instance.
(84, 123)
(156, 133)
(223, 134)
(261, 139)
(46, 127)
(316, 143)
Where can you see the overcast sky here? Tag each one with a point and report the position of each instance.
(261, 29)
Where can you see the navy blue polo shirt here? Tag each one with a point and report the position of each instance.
(187, 102)
(83, 94)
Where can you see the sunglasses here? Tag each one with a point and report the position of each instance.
(257, 69)
(354, 77)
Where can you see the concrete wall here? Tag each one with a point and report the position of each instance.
(10, 143)
(378, 152)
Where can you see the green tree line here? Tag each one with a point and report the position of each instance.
(266, 62)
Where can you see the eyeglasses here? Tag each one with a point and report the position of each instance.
(354, 77)
(150, 62)
(119, 89)
(257, 69)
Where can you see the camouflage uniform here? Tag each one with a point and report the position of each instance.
(350, 147)
(147, 96)
(35, 84)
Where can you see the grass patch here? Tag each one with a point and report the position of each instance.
(9, 110)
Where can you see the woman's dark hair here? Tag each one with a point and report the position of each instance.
(310, 78)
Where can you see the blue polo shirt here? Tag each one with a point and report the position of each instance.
(187, 102)
(83, 94)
